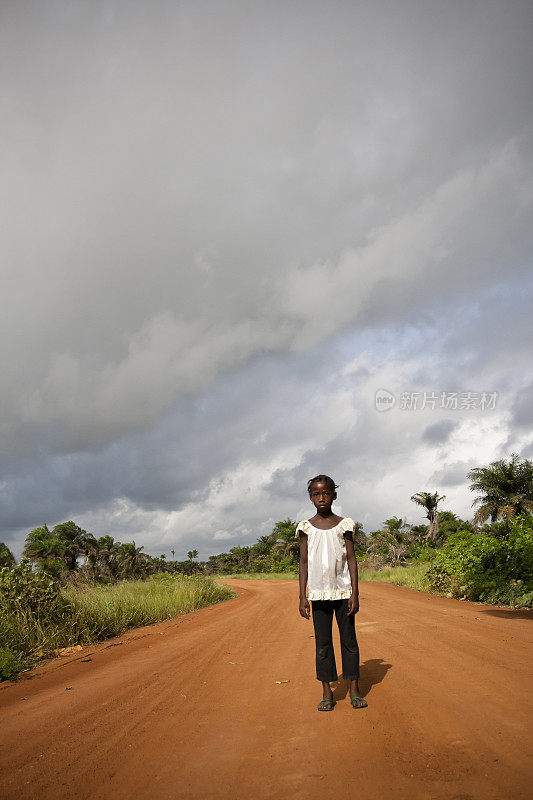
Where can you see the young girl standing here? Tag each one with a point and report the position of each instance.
(328, 562)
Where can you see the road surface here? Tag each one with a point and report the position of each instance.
(192, 707)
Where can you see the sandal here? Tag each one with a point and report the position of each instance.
(326, 705)
(356, 705)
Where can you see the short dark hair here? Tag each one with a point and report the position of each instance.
(330, 483)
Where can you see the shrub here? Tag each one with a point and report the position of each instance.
(25, 592)
(486, 567)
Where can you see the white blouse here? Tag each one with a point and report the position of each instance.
(327, 566)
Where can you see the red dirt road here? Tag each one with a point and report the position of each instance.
(191, 709)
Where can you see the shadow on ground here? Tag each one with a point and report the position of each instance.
(373, 672)
(509, 613)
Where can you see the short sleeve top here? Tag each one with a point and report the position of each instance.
(327, 566)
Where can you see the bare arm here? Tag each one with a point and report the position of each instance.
(353, 602)
(305, 609)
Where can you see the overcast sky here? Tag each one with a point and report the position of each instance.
(226, 226)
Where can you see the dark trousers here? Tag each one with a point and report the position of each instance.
(326, 669)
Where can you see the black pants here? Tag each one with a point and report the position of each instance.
(326, 669)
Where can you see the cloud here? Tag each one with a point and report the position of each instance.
(439, 432)
(226, 227)
(522, 408)
(452, 474)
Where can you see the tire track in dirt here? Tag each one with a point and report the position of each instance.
(190, 708)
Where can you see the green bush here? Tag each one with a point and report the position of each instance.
(10, 665)
(25, 592)
(488, 568)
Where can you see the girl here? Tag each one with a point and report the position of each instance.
(327, 558)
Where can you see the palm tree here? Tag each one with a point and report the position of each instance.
(73, 539)
(173, 552)
(42, 543)
(286, 549)
(263, 546)
(130, 558)
(429, 502)
(91, 551)
(192, 554)
(282, 539)
(506, 489)
(285, 529)
(107, 555)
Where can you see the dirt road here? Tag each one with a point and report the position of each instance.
(191, 709)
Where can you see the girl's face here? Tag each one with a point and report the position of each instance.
(322, 495)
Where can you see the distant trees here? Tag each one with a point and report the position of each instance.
(504, 491)
(275, 552)
(67, 550)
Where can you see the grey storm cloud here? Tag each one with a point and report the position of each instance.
(451, 474)
(523, 408)
(212, 210)
(439, 432)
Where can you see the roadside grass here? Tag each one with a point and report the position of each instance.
(104, 612)
(92, 613)
(259, 576)
(411, 577)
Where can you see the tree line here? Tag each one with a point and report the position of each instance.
(67, 550)
(504, 492)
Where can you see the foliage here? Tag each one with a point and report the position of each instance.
(450, 523)
(391, 544)
(484, 567)
(7, 559)
(41, 543)
(25, 592)
(10, 665)
(63, 545)
(506, 489)
(399, 543)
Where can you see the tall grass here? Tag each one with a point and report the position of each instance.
(412, 577)
(92, 613)
(103, 612)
